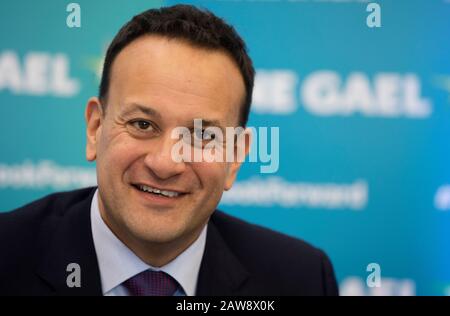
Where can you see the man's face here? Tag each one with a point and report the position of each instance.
(157, 85)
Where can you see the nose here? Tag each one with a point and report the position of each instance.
(159, 159)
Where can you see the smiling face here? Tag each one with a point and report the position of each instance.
(158, 84)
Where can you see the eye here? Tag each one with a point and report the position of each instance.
(141, 127)
(204, 134)
(140, 124)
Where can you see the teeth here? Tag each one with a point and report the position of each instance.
(157, 191)
(169, 193)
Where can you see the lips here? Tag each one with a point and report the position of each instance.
(163, 192)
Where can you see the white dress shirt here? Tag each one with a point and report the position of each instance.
(117, 263)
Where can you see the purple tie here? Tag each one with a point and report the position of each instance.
(151, 283)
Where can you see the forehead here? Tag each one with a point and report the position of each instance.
(176, 77)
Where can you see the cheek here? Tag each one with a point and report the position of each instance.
(212, 175)
(117, 152)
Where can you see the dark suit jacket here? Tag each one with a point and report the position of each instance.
(39, 240)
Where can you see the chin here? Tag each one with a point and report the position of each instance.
(157, 232)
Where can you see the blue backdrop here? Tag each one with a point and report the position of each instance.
(363, 115)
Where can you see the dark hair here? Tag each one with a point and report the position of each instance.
(199, 27)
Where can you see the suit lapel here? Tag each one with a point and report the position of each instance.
(221, 273)
(67, 239)
(70, 242)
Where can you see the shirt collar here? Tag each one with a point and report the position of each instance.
(117, 263)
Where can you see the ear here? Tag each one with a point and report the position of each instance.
(241, 150)
(94, 117)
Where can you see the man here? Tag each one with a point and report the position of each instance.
(151, 227)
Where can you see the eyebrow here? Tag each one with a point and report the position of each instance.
(206, 123)
(133, 108)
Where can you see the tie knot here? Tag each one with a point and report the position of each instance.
(151, 283)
